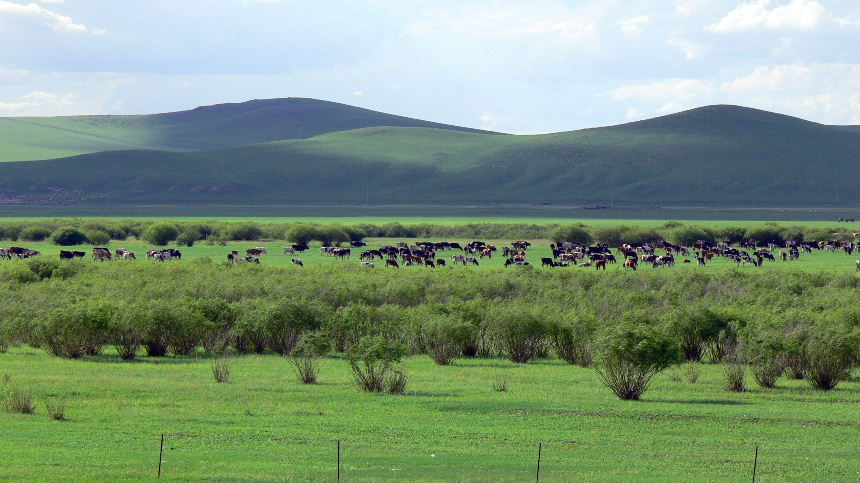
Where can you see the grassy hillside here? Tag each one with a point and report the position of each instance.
(716, 155)
(218, 126)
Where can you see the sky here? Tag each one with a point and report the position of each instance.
(514, 66)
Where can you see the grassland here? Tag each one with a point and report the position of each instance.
(819, 260)
(449, 426)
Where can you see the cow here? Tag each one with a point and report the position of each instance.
(546, 261)
(300, 247)
(598, 264)
(472, 260)
(440, 262)
(289, 251)
(129, 255)
(298, 261)
(255, 252)
(391, 263)
(66, 255)
(630, 263)
(101, 254)
(429, 263)
(357, 244)
(858, 265)
(367, 264)
(5, 253)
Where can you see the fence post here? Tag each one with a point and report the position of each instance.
(160, 454)
(338, 461)
(755, 463)
(537, 477)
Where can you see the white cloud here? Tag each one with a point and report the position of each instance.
(358, 93)
(676, 89)
(769, 79)
(39, 100)
(632, 27)
(798, 14)
(691, 50)
(632, 114)
(60, 23)
(689, 7)
(53, 1)
(522, 20)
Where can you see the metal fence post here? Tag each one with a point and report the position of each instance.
(755, 463)
(537, 477)
(338, 461)
(160, 454)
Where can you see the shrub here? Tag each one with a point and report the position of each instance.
(766, 372)
(831, 348)
(632, 352)
(443, 338)
(56, 408)
(247, 231)
(18, 401)
(34, 233)
(127, 329)
(571, 233)
(762, 235)
(43, 267)
(687, 235)
(692, 371)
(735, 377)
(221, 369)
(161, 233)
(500, 384)
(218, 318)
(183, 327)
(187, 238)
(283, 322)
(301, 233)
(696, 326)
(305, 355)
(519, 331)
(98, 237)
(371, 360)
(67, 236)
(395, 383)
(75, 330)
(572, 336)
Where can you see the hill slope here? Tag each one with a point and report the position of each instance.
(715, 155)
(207, 127)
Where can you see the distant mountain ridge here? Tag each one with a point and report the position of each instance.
(205, 127)
(714, 155)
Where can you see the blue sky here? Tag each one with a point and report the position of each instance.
(514, 66)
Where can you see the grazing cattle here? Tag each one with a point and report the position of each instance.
(458, 259)
(101, 254)
(300, 247)
(546, 261)
(858, 265)
(429, 263)
(367, 264)
(129, 255)
(5, 253)
(298, 261)
(255, 252)
(701, 260)
(391, 263)
(598, 264)
(289, 251)
(357, 244)
(472, 260)
(440, 262)
(66, 255)
(630, 263)
(686, 260)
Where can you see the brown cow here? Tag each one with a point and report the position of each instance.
(630, 263)
(598, 264)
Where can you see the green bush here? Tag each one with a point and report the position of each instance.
(632, 352)
(301, 233)
(34, 233)
(762, 235)
(831, 348)
(161, 234)
(312, 346)
(572, 335)
(519, 331)
(247, 231)
(571, 233)
(127, 328)
(371, 361)
(74, 330)
(687, 235)
(67, 236)
(282, 323)
(98, 237)
(696, 327)
(443, 337)
(43, 267)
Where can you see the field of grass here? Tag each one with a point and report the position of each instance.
(836, 261)
(449, 426)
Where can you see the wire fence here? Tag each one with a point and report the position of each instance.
(190, 458)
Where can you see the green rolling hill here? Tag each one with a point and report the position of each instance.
(714, 156)
(207, 127)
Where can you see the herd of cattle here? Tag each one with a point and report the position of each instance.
(565, 254)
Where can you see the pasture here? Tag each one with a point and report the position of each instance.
(449, 426)
(451, 423)
(836, 261)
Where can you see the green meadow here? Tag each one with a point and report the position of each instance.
(450, 425)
